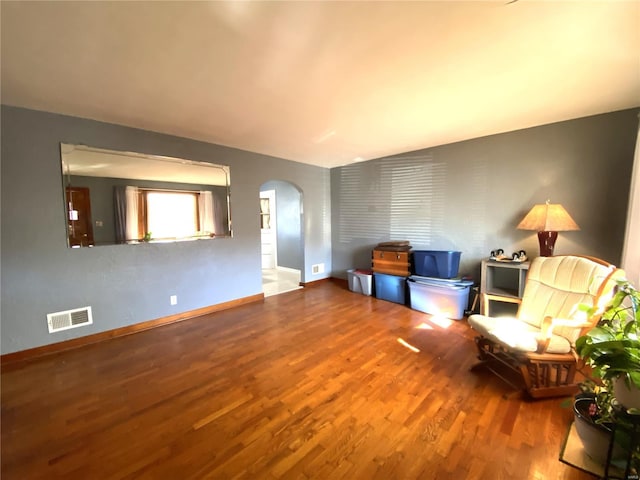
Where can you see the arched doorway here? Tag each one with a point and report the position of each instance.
(281, 227)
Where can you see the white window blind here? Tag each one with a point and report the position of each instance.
(396, 198)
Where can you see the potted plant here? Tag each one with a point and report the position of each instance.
(612, 347)
(612, 350)
(593, 416)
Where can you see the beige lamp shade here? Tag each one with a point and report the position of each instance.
(548, 217)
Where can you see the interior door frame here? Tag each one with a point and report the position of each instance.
(271, 195)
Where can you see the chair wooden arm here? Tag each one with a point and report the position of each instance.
(487, 297)
(551, 357)
(566, 322)
(549, 323)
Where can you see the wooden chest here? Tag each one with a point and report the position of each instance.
(391, 263)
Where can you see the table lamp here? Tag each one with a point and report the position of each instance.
(548, 219)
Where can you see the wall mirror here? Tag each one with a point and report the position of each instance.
(113, 197)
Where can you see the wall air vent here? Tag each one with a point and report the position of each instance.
(69, 319)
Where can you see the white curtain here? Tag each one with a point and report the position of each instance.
(131, 194)
(205, 207)
(631, 249)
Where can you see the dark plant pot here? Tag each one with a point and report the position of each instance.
(595, 437)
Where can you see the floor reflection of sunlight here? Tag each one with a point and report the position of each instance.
(441, 321)
(408, 345)
(424, 326)
(437, 320)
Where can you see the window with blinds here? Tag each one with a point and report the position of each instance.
(398, 198)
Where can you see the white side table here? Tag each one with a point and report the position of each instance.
(502, 282)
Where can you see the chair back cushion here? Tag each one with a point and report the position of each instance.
(556, 286)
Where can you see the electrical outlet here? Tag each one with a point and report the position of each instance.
(173, 299)
(317, 269)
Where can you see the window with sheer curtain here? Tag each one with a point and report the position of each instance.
(152, 214)
(171, 214)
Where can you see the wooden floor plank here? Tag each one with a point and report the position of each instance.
(311, 384)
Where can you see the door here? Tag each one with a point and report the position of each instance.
(79, 217)
(268, 229)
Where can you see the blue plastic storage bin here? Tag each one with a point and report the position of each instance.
(390, 287)
(436, 263)
(445, 297)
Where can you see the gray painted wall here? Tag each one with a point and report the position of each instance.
(288, 221)
(128, 284)
(492, 182)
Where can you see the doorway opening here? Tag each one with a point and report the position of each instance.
(281, 237)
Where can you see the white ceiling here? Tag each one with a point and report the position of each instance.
(324, 83)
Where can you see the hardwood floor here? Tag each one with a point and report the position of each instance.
(309, 384)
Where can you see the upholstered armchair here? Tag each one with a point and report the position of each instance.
(535, 349)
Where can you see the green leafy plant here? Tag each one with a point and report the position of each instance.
(601, 392)
(612, 350)
(612, 347)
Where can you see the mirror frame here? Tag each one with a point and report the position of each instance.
(108, 170)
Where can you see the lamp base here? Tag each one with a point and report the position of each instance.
(547, 241)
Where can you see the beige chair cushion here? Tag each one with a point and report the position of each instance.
(555, 287)
(517, 335)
